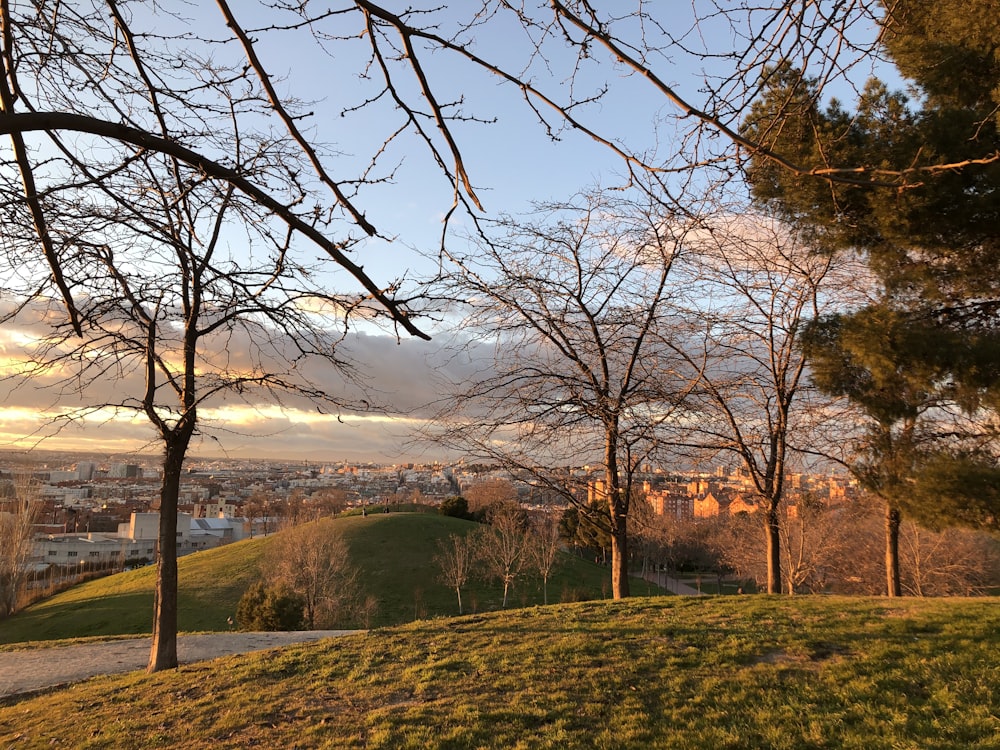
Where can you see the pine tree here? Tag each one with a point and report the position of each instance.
(929, 348)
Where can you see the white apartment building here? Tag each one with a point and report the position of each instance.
(135, 541)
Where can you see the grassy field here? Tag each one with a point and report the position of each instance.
(662, 672)
(394, 552)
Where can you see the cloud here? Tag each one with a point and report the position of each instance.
(394, 383)
(411, 374)
(291, 435)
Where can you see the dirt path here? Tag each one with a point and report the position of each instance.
(37, 669)
(671, 584)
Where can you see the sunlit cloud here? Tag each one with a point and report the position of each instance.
(394, 389)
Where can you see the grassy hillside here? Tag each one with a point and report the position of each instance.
(673, 672)
(211, 583)
(394, 552)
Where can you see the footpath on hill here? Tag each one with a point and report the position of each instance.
(40, 668)
(671, 584)
(37, 669)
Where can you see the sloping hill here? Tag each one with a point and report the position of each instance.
(394, 552)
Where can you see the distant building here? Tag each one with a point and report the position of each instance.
(64, 494)
(63, 476)
(706, 507)
(596, 492)
(216, 509)
(838, 491)
(698, 487)
(134, 541)
(85, 470)
(670, 504)
(740, 504)
(124, 471)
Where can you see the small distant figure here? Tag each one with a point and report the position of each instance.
(230, 621)
(739, 590)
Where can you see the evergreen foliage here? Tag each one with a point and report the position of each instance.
(265, 607)
(586, 529)
(927, 352)
(455, 506)
(933, 236)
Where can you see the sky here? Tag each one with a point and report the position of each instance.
(511, 162)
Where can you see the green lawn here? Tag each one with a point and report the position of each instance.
(662, 672)
(211, 583)
(394, 552)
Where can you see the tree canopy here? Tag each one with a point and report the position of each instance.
(922, 362)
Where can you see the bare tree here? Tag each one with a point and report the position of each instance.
(576, 307)
(739, 542)
(455, 558)
(656, 536)
(329, 502)
(752, 284)
(295, 509)
(313, 561)
(644, 531)
(94, 93)
(503, 545)
(179, 320)
(117, 86)
(815, 540)
(118, 96)
(546, 542)
(840, 548)
(138, 231)
(19, 510)
(949, 562)
(488, 493)
(253, 510)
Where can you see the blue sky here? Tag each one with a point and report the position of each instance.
(511, 162)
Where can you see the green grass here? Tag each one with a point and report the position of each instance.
(210, 584)
(664, 672)
(394, 551)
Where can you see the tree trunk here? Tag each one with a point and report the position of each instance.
(892, 519)
(773, 532)
(163, 654)
(618, 516)
(619, 562)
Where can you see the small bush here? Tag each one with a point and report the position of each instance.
(264, 607)
(455, 506)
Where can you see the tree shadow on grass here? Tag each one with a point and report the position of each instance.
(114, 614)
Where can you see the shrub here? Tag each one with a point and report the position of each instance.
(455, 506)
(264, 607)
